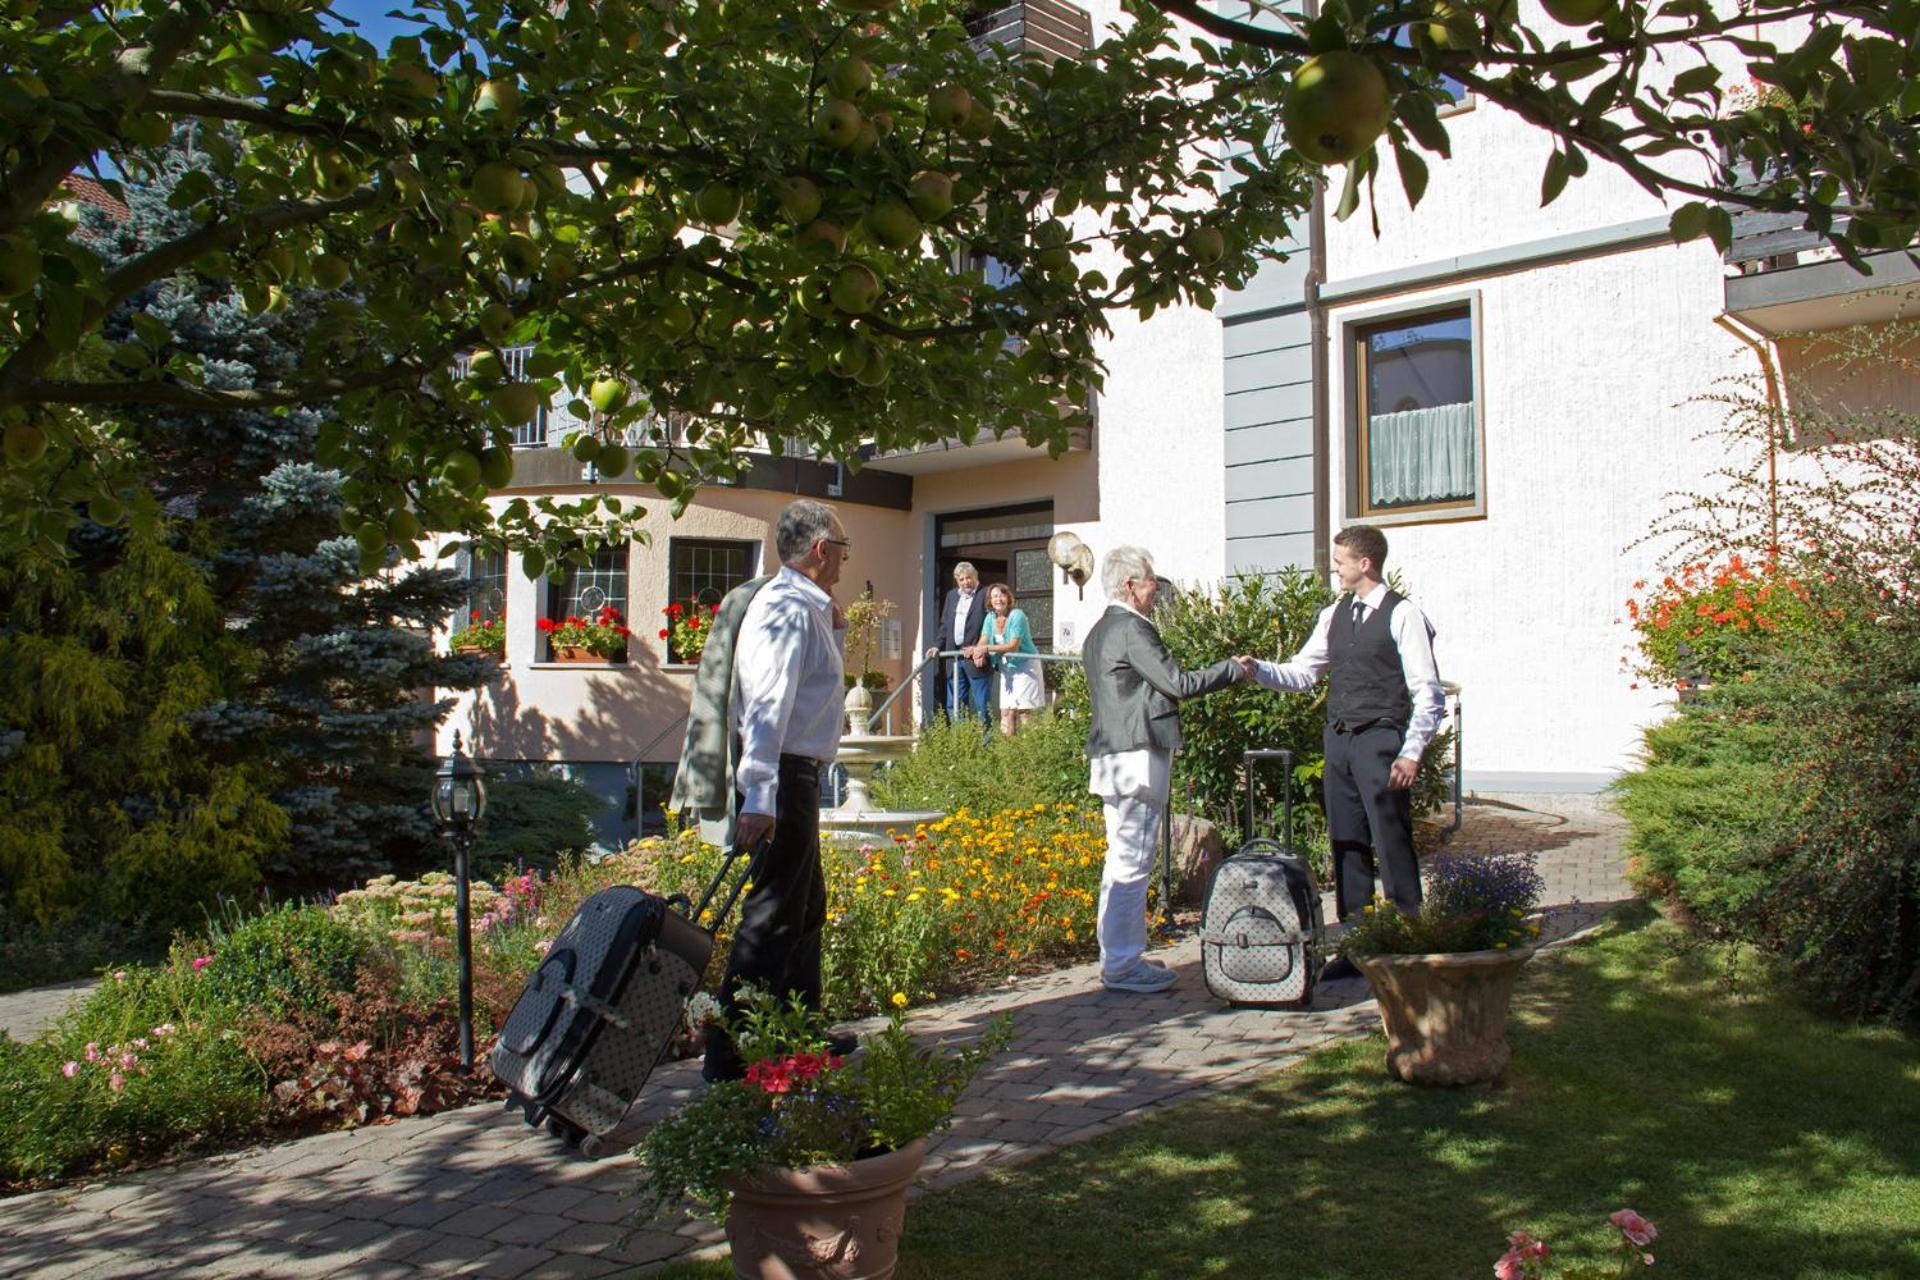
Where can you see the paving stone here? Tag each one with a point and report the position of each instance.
(477, 1220)
(601, 1208)
(554, 1199)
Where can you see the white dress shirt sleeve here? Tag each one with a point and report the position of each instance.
(1303, 671)
(763, 664)
(1414, 639)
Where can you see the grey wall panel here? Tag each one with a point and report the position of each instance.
(1277, 367)
(1279, 513)
(1275, 284)
(1271, 552)
(1268, 420)
(1251, 337)
(1269, 404)
(1266, 441)
(1256, 480)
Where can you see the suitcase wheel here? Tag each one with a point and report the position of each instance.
(593, 1146)
(565, 1130)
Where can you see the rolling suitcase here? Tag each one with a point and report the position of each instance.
(600, 1012)
(1262, 940)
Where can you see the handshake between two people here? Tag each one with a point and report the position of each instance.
(1400, 775)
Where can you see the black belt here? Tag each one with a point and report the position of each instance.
(1361, 726)
(804, 766)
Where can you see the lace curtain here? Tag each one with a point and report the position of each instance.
(1422, 455)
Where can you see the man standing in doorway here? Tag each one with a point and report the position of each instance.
(1384, 705)
(788, 702)
(964, 692)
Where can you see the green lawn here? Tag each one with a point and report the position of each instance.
(1762, 1141)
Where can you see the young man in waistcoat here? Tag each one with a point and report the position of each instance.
(1384, 705)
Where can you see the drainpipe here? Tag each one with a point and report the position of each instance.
(1776, 420)
(1317, 331)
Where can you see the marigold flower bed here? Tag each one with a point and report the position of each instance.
(943, 908)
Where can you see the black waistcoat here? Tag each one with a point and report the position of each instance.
(1364, 679)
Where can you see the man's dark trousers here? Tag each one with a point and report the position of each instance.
(968, 689)
(777, 946)
(1365, 814)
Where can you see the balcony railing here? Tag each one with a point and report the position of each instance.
(1050, 28)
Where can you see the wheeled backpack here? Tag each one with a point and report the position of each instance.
(1261, 933)
(603, 1008)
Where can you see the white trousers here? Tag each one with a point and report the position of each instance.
(1133, 837)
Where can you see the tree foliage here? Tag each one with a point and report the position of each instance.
(739, 212)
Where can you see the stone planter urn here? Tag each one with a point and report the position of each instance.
(1446, 1014)
(826, 1222)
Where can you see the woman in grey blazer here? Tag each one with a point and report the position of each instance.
(1136, 690)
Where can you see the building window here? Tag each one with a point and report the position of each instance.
(1462, 97)
(580, 591)
(703, 570)
(1416, 421)
(486, 573)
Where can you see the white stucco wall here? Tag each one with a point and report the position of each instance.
(1587, 370)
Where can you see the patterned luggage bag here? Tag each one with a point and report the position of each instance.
(1261, 934)
(600, 1012)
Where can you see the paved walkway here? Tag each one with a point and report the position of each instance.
(23, 1013)
(475, 1192)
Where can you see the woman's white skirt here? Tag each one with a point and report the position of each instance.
(1021, 688)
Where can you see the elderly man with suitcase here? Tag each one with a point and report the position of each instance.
(1135, 688)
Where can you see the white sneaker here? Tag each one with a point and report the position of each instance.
(1143, 977)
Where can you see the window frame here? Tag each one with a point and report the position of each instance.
(1352, 330)
(469, 569)
(552, 584)
(675, 546)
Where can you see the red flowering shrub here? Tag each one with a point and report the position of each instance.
(489, 635)
(604, 632)
(1709, 622)
(687, 628)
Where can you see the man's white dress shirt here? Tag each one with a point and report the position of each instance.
(963, 604)
(1412, 636)
(789, 691)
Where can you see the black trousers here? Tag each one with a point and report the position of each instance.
(777, 945)
(1365, 815)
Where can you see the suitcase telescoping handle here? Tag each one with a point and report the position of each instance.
(694, 913)
(1285, 757)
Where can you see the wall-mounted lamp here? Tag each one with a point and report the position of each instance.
(1074, 557)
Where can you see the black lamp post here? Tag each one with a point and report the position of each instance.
(459, 798)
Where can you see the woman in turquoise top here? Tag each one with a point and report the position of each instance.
(1006, 635)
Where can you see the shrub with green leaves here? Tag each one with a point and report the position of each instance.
(147, 1066)
(534, 821)
(289, 960)
(1268, 616)
(955, 766)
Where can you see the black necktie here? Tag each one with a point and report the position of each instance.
(1359, 610)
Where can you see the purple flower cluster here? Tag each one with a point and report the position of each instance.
(1490, 883)
(1484, 899)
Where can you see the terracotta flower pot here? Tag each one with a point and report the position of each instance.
(574, 653)
(828, 1222)
(1446, 1015)
(473, 650)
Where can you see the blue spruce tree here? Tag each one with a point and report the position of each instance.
(337, 662)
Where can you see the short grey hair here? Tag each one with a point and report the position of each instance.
(965, 569)
(802, 524)
(1123, 563)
